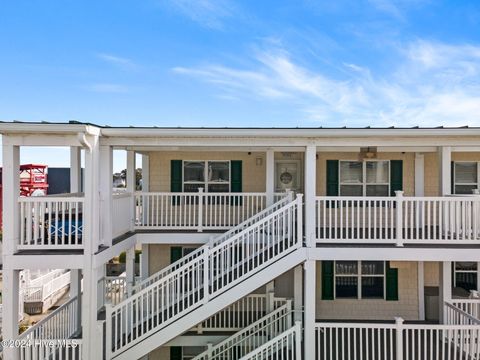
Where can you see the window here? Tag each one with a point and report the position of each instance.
(212, 176)
(359, 279)
(364, 178)
(466, 275)
(466, 176)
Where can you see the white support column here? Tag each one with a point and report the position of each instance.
(309, 309)
(270, 294)
(445, 178)
(131, 184)
(10, 311)
(270, 176)
(297, 292)
(76, 290)
(445, 291)
(75, 169)
(91, 235)
(310, 193)
(419, 174)
(145, 265)
(130, 269)
(106, 190)
(421, 290)
(145, 173)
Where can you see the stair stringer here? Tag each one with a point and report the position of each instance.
(214, 305)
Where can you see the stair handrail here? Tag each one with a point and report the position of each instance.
(258, 326)
(215, 241)
(268, 347)
(200, 268)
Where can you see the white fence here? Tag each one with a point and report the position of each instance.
(41, 288)
(398, 341)
(213, 272)
(398, 219)
(54, 349)
(51, 222)
(286, 346)
(242, 313)
(252, 336)
(463, 312)
(122, 214)
(196, 211)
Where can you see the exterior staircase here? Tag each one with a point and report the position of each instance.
(216, 275)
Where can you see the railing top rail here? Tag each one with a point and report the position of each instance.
(392, 325)
(52, 198)
(47, 318)
(232, 194)
(473, 319)
(466, 301)
(405, 198)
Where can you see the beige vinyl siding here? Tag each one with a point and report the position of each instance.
(161, 353)
(370, 309)
(408, 168)
(432, 273)
(253, 175)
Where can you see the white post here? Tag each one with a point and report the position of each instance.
(399, 337)
(270, 176)
(130, 269)
(75, 169)
(131, 185)
(270, 294)
(106, 190)
(310, 310)
(297, 292)
(145, 266)
(206, 275)
(445, 290)
(310, 193)
(420, 181)
(421, 290)
(399, 217)
(10, 311)
(145, 186)
(298, 340)
(200, 209)
(76, 291)
(445, 160)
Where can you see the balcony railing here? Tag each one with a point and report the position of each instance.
(195, 211)
(398, 220)
(51, 222)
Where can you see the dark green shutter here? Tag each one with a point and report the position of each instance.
(327, 280)
(176, 179)
(176, 353)
(392, 283)
(175, 253)
(452, 178)
(236, 179)
(332, 178)
(396, 176)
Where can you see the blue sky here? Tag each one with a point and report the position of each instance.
(241, 63)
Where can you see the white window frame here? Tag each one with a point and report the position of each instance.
(205, 175)
(364, 176)
(359, 276)
(455, 271)
(467, 184)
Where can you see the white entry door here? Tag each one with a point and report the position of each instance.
(288, 175)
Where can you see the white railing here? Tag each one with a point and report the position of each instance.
(121, 214)
(62, 323)
(397, 341)
(399, 220)
(51, 222)
(210, 274)
(55, 349)
(42, 288)
(286, 346)
(252, 336)
(112, 290)
(287, 197)
(463, 312)
(195, 211)
(241, 313)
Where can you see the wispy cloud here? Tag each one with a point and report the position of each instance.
(108, 88)
(432, 83)
(118, 61)
(208, 13)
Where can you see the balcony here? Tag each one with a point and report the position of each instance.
(398, 220)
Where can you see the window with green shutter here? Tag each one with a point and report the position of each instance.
(175, 253)
(332, 178)
(396, 176)
(236, 179)
(176, 353)
(391, 283)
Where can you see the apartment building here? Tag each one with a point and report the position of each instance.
(299, 243)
